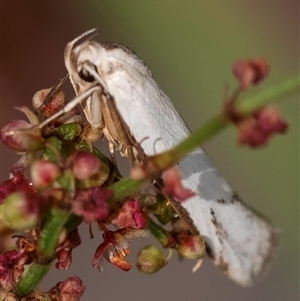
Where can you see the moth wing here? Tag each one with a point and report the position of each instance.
(239, 241)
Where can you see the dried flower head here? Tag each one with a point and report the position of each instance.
(11, 268)
(69, 290)
(64, 251)
(92, 204)
(256, 130)
(130, 216)
(115, 247)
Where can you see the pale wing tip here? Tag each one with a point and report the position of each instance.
(267, 259)
(259, 267)
(267, 247)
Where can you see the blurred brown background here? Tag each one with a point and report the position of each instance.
(189, 45)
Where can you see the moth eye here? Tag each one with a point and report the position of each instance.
(86, 75)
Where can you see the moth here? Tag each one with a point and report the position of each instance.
(122, 100)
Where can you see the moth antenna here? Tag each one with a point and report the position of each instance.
(71, 44)
(154, 144)
(70, 61)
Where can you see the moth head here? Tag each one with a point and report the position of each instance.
(81, 62)
(90, 62)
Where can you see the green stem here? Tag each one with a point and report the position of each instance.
(73, 222)
(269, 95)
(216, 124)
(124, 188)
(163, 236)
(203, 134)
(54, 223)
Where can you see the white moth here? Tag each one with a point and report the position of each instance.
(121, 99)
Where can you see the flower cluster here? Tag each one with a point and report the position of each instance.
(256, 127)
(71, 182)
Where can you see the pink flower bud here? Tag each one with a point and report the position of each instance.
(190, 246)
(85, 165)
(250, 72)
(21, 211)
(44, 173)
(151, 260)
(21, 137)
(173, 186)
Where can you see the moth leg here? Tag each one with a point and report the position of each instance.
(116, 130)
(91, 134)
(131, 157)
(129, 146)
(111, 148)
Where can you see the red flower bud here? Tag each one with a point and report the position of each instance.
(50, 108)
(21, 137)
